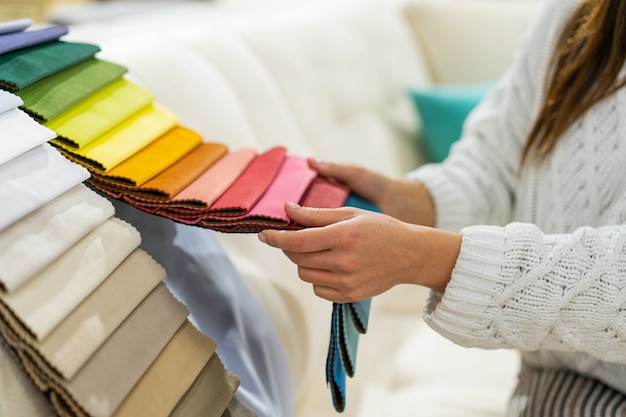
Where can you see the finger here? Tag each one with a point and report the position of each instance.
(344, 173)
(328, 293)
(317, 217)
(305, 240)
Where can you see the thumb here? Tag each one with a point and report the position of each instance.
(317, 217)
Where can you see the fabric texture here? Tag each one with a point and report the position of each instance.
(24, 67)
(153, 159)
(46, 299)
(243, 194)
(48, 98)
(9, 101)
(68, 347)
(47, 233)
(211, 394)
(174, 179)
(348, 321)
(20, 134)
(99, 112)
(124, 139)
(201, 275)
(542, 275)
(554, 393)
(25, 398)
(34, 178)
(20, 40)
(171, 375)
(16, 25)
(203, 192)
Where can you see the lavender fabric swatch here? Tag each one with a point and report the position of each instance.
(17, 25)
(19, 40)
(9, 101)
(33, 179)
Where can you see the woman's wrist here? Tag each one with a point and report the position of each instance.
(408, 201)
(437, 252)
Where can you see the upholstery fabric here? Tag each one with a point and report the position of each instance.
(24, 67)
(34, 178)
(20, 134)
(51, 96)
(45, 234)
(24, 39)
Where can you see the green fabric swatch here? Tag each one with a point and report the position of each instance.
(49, 97)
(21, 68)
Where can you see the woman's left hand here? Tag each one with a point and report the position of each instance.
(349, 254)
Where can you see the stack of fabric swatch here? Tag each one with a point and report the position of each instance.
(82, 308)
(128, 147)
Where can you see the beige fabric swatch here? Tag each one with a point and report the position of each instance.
(238, 409)
(117, 366)
(111, 373)
(170, 376)
(210, 394)
(45, 234)
(76, 339)
(18, 395)
(47, 298)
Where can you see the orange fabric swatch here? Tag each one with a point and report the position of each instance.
(153, 159)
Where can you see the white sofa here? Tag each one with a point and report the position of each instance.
(328, 79)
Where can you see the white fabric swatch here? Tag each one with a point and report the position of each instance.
(9, 101)
(20, 133)
(36, 240)
(47, 298)
(33, 179)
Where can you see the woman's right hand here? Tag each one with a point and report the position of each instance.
(403, 199)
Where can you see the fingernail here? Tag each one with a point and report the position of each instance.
(292, 205)
(261, 237)
(315, 161)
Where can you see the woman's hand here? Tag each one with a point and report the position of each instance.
(350, 254)
(405, 200)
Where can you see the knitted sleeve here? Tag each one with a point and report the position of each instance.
(476, 183)
(514, 287)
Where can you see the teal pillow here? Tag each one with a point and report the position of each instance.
(442, 110)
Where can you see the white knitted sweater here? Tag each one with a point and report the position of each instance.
(542, 266)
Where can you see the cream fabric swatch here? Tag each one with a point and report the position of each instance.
(76, 339)
(170, 376)
(9, 101)
(33, 179)
(46, 299)
(20, 133)
(210, 394)
(37, 239)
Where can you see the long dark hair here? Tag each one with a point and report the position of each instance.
(585, 66)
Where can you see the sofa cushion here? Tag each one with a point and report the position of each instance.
(442, 110)
(469, 41)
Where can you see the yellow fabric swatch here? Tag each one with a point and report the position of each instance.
(98, 113)
(125, 139)
(154, 158)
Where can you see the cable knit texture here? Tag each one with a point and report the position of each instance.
(546, 270)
